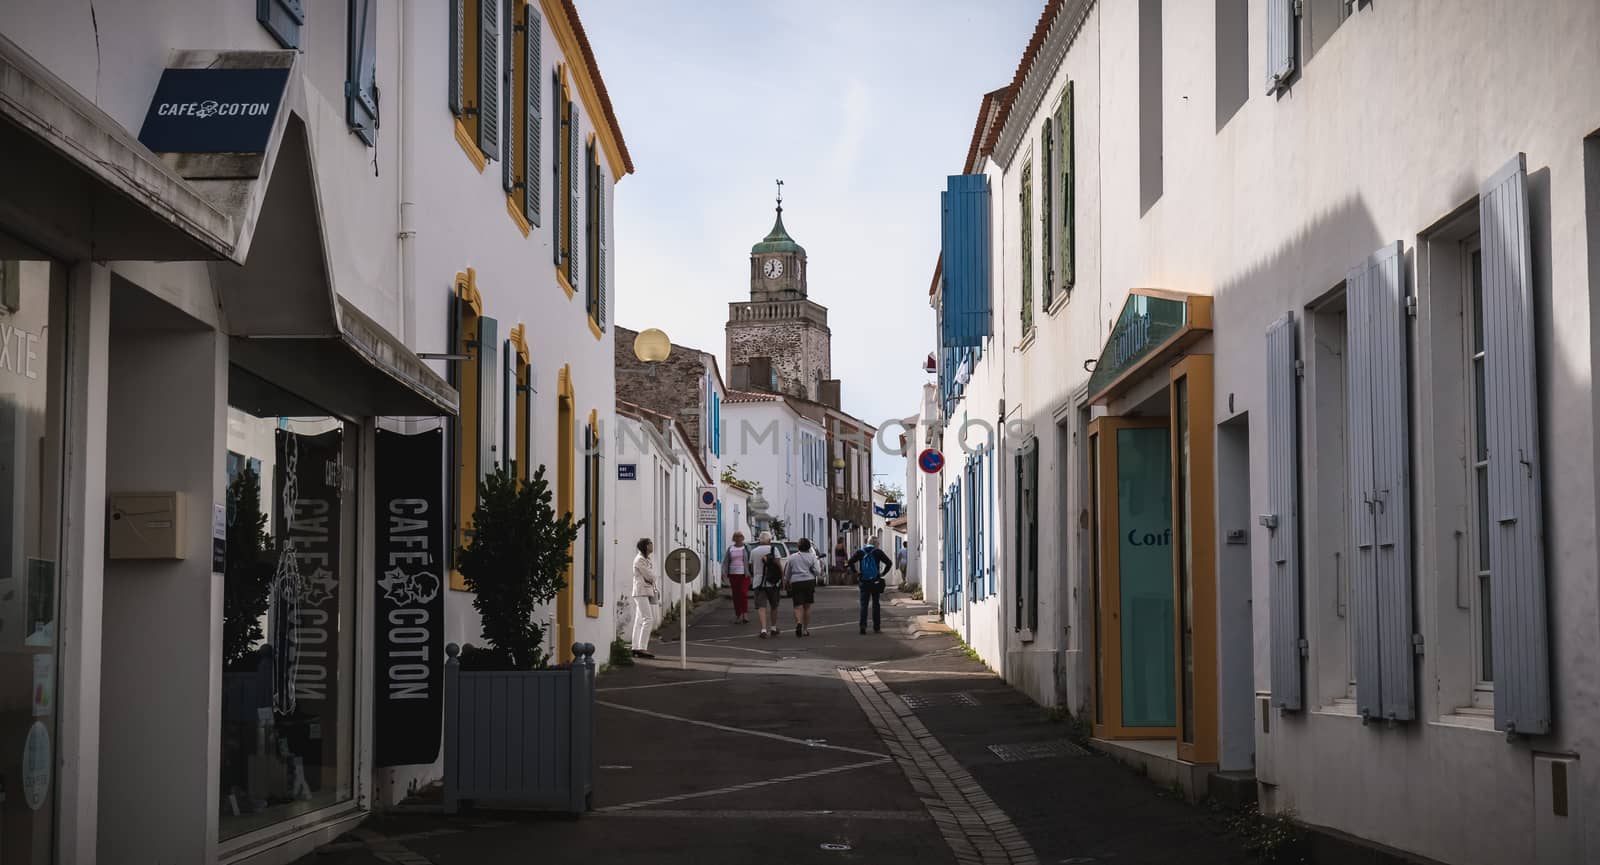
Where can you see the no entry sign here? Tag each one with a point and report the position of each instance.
(930, 461)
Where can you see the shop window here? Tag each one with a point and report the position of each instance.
(32, 387)
(288, 651)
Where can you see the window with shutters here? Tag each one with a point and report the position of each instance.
(476, 78)
(1479, 600)
(520, 419)
(1046, 214)
(1066, 234)
(472, 373)
(283, 19)
(1326, 524)
(1026, 248)
(593, 519)
(594, 248)
(564, 137)
(361, 73)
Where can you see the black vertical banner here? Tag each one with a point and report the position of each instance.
(305, 597)
(408, 705)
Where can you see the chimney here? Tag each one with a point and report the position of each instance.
(760, 374)
(830, 393)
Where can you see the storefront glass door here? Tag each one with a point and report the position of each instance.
(1133, 590)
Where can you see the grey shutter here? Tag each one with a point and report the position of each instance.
(508, 404)
(532, 113)
(1280, 43)
(361, 86)
(458, 53)
(573, 154)
(488, 396)
(558, 142)
(1520, 618)
(508, 86)
(489, 79)
(452, 427)
(283, 19)
(600, 231)
(1283, 519)
(533, 412)
(1380, 487)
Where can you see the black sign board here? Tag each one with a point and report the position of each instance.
(408, 703)
(213, 110)
(305, 597)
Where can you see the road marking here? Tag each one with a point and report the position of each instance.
(689, 814)
(659, 685)
(740, 788)
(741, 731)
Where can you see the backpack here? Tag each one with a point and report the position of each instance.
(771, 568)
(869, 564)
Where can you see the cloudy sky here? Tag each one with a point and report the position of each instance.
(862, 107)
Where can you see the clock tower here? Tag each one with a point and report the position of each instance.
(779, 326)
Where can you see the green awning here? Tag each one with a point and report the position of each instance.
(1152, 323)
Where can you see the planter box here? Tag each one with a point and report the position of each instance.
(520, 739)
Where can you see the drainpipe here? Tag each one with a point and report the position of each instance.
(408, 233)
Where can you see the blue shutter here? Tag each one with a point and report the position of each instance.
(1380, 488)
(993, 523)
(532, 111)
(1281, 30)
(1283, 516)
(965, 309)
(488, 398)
(458, 53)
(361, 86)
(283, 19)
(1519, 615)
(489, 79)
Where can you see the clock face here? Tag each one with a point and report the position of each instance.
(774, 268)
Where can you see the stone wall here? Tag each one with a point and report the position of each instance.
(673, 390)
(793, 334)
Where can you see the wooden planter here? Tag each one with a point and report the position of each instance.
(520, 738)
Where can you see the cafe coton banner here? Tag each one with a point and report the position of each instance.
(408, 703)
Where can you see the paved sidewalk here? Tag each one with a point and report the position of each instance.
(834, 748)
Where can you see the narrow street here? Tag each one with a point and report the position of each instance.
(835, 748)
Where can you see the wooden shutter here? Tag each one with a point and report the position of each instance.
(1047, 211)
(1519, 613)
(1065, 153)
(458, 53)
(1380, 487)
(1281, 29)
(361, 86)
(1026, 246)
(283, 19)
(591, 243)
(489, 78)
(488, 399)
(452, 425)
(573, 155)
(532, 111)
(1283, 515)
(508, 85)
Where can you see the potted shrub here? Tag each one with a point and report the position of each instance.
(517, 730)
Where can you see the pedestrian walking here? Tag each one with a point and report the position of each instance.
(736, 567)
(645, 595)
(841, 559)
(800, 574)
(766, 573)
(870, 564)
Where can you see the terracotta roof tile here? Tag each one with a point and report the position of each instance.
(599, 82)
(1029, 54)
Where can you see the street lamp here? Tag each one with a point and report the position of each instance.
(652, 346)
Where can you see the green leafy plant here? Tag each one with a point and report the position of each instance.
(621, 654)
(1273, 838)
(245, 587)
(516, 560)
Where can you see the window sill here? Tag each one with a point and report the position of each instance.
(1027, 339)
(561, 280)
(1339, 708)
(515, 209)
(1059, 302)
(594, 328)
(591, 610)
(464, 138)
(1469, 718)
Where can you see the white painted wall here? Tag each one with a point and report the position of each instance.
(765, 439)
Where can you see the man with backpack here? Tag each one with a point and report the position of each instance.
(767, 582)
(871, 563)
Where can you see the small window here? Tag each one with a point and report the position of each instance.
(283, 19)
(1478, 483)
(361, 84)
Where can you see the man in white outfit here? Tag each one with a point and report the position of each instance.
(645, 595)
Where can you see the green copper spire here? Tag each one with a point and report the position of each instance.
(778, 239)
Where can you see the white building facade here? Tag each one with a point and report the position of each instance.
(1293, 354)
(310, 333)
(784, 452)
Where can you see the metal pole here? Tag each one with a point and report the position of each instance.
(683, 613)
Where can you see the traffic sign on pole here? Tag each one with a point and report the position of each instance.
(930, 461)
(683, 568)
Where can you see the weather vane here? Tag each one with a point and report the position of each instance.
(780, 194)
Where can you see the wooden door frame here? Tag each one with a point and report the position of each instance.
(1202, 541)
(1110, 586)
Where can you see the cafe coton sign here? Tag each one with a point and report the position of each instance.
(213, 110)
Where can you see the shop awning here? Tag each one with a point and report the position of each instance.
(80, 186)
(1155, 326)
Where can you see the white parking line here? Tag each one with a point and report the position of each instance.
(740, 788)
(743, 732)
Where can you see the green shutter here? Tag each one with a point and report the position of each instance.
(489, 79)
(1046, 221)
(1064, 164)
(1027, 247)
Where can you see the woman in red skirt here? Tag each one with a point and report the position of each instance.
(736, 567)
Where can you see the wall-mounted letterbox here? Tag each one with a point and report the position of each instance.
(146, 526)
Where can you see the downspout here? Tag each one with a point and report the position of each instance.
(408, 233)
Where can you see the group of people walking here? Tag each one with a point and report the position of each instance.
(760, 571)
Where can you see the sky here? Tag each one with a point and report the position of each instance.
(861, 107)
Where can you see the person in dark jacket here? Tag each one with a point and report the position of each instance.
(870, 565)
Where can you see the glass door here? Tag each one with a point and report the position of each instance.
(1133, 580)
